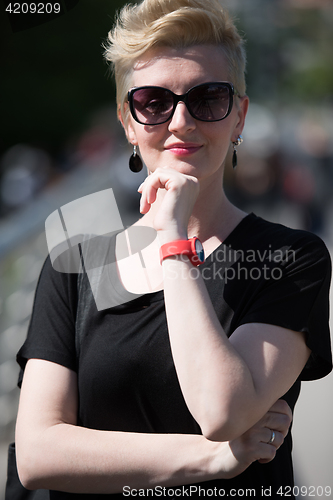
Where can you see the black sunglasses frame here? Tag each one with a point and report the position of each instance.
(180, 98)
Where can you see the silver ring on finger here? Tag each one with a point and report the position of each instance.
(271, 441)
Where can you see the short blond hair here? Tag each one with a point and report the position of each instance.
(176, 24)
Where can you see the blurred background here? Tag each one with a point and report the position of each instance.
(60, 140)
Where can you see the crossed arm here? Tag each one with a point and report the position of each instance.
(54, 453)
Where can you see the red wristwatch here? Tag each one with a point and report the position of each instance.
(192, 248)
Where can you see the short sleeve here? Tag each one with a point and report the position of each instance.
(297, 298)
(51, 332)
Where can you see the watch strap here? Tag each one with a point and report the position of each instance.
(181, 247)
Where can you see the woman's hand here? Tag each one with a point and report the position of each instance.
(181, 192)
(255, 443)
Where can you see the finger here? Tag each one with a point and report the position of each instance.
(162, 178)
(278, 417)
(266, 460)
(157, 180)
(263, 435)
(277, 421)
(169, 178)
(267, 435)
(268, 450)
(281, 406)
(148, 191)
(265, 453)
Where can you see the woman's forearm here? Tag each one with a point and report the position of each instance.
(80, 460)
(53, 452)
(213, 377)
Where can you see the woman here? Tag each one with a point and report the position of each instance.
(179, 386)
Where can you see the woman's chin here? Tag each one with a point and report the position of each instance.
(183, 166)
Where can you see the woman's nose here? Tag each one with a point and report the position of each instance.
(182, 120)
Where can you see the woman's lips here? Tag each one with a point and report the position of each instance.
(184, 149)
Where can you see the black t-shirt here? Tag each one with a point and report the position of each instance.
(263, 272)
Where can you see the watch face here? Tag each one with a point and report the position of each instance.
(199, 250)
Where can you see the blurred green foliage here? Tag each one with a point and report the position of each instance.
(290, 51)
(307, 51)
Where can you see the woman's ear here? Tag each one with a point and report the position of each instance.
(127, 125)
(119, 114)
(242, 109)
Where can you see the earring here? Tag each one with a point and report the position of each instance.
(234, 154)
(135, 162)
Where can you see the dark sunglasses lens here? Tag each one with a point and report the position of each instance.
(152, 105)
(210, 102)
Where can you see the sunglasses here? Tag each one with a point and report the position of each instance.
(208, 102)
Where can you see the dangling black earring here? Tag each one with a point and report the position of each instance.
(234, 154)
(135, 162)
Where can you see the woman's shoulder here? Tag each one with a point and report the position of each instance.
(51, 276)
(259, 231)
